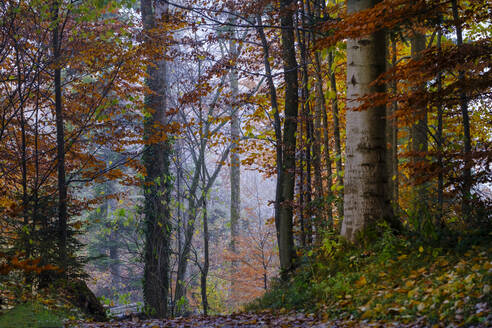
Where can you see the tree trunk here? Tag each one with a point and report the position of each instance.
(60, 144)
(157, 185)
(392, 136)
(321, 107)
(336, 130)
(206, 262)
(235, 169)
(276, 122)
(467, 178)
(365, 174)
(286, 239)
(419, 144)
(439, 137)
(307, 125)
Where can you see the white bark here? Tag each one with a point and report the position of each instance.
(365, 174)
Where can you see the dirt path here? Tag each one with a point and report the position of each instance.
(226, 321)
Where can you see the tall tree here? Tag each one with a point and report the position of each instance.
(157, 185)
(392, 131)
(286, 238)
(365, 178)
(235, 163)
(277, 126)
(60, 138)
(467, 177)
(419, 142)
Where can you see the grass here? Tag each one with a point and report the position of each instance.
(31, 315)
(396, 279)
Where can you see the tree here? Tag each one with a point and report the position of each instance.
(157, 185)
(235, 163)
(365, 201)
(286, 238)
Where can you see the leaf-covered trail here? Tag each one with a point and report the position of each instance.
(250, 320)
(247, 320)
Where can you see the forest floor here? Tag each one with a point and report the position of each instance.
(396, 282)
(250, 320)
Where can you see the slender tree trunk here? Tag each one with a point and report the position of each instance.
(321, 107)
(300, 177)
(60, 143)
(440, 178)
(307, 142)
(180, 289)
(391, 134)
(394, 176)
(419, 144)
(336, 129)
(316, 125)
(22, 124)
(467, 177)
(365, 173)
(286, 238)
(157, 185)
(276, 122)
(114, 266)
(235, 169)
(206, 262)
(318, 180)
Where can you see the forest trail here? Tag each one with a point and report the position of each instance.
(250, 320)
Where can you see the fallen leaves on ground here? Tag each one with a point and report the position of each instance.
(250, 320)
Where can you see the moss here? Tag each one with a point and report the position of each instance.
(32, 315)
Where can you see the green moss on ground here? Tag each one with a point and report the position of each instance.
(31, 315)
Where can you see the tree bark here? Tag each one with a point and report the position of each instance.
(276, 122)
(336, 130)
(157, 185)
(306, 124)
(60, 143)
(365, 201)
(467, 177)
(439, 137)
(206, 261)
(321, 104)
(419, 143)
(235, 168)
(392, 136)
(286, 239)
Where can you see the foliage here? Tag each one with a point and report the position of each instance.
(398, 279)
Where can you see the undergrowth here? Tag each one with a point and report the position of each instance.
(393, 278)
(32, 315)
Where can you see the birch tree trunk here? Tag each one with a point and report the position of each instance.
(365, 174)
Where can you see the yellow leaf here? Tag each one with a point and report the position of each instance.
(409, 283)
(421, 249)
(361, 282)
